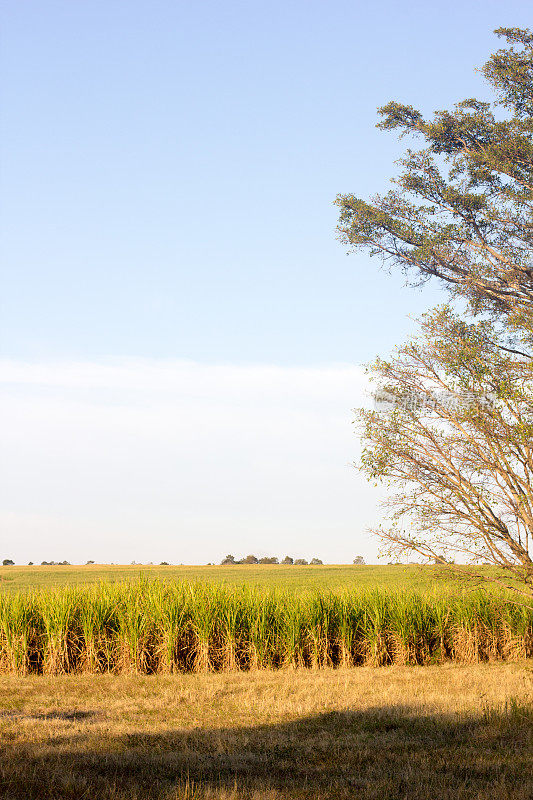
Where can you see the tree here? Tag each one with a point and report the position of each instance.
(316, 561)
(288, 560)
(269, 560)
(452, 435)
(250, 560)
(359, 560)
(461, 209)
(300, 562)
(7, 562)
(460, 212)
(228, 560)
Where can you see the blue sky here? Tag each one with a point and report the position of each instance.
(167, 187)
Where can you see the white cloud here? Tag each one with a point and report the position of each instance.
(153, 460)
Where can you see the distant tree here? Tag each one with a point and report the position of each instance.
(89, 562)
(301, 562)
(250, 560)
(269, 560)
(7, 562)
(30, 563)
(228, 560)
(359, 560)
(288, 560)
(316, 561)
(164, 564)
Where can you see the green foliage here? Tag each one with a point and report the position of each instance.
(160, 626)
(461, 208)
(460, 211)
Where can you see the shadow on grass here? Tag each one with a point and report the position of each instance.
(388, 753)
(68, 716)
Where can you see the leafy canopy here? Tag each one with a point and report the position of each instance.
(460, 210)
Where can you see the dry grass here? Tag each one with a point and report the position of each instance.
(439, 732)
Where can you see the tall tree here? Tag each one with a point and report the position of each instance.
(461, 208)
(452, 436)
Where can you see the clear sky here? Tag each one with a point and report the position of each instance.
(181, 332)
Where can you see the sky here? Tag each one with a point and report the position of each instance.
(181, 334)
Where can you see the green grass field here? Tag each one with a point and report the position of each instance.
(305, 578)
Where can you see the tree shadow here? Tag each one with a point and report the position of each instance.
(69, 716)
(387, 753)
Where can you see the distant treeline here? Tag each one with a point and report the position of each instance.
(229, 559)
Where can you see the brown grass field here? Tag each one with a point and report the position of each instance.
(415, 733)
